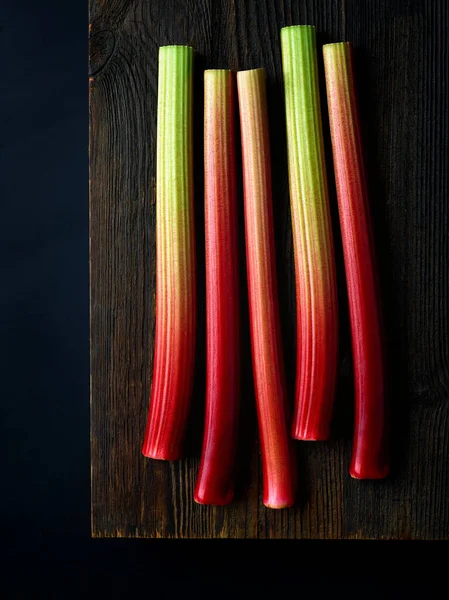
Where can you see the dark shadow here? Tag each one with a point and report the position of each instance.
(194, 437)
(390, 291)
(343, 418)
(282, 228)
(303, 479)
(247, 431)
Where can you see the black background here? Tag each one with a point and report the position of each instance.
(45, 372)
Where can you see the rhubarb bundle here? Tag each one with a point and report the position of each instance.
(174, 347)
(278, 464)
(369, 460)
(316, 292)
(215, 478)
(315, 275)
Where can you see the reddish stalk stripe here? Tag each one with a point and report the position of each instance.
(174, 347)
(215, 484)
(279, 470)
(369, 457)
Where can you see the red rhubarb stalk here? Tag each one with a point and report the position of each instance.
(174, 347)
(316, 288)
(369, 459)
(279, 471)
(215, 484)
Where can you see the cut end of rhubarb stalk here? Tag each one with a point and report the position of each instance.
(316, 286)
(258, 73)
(369, 459)
(297, 34)
(183, 51)
(375, 468)
(297, 28)
(174, 346)
(213, 499)
(337, 47)
(278, 460)
(158, 455)
(277, 500)
(378, 473)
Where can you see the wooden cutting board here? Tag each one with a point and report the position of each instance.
(402, 68)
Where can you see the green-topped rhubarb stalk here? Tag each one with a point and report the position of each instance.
(215, 483)
(316, 291)
(278, 464)
(174, 347)
(369, 456)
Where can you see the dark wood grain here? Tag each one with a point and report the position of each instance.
(402, 65)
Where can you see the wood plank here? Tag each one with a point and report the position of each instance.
(402, 64)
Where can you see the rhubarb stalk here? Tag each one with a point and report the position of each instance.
(174, 347)
(316, 292)
(215, 483)
(279, 474)
(369, 459)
